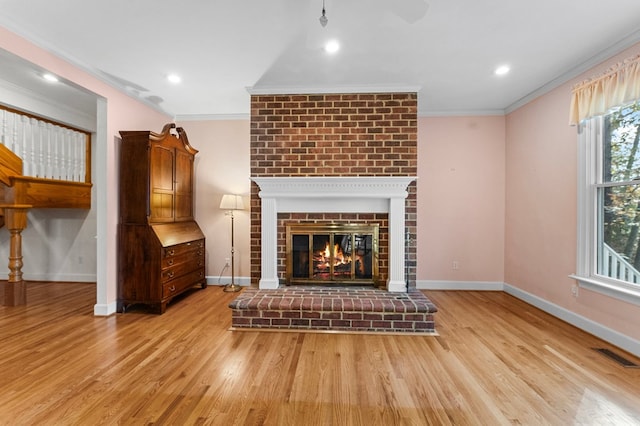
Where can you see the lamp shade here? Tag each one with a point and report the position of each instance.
(231, 202)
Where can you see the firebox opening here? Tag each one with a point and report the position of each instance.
(332, 254)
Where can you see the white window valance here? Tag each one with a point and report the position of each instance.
(618, 86)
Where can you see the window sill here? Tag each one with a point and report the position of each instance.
(611, 289)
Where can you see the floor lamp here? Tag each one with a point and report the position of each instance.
(231, 202)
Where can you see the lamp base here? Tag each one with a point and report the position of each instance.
(232, 288)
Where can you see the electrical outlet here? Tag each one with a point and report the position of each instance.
(455, 265)
(227, 261)
(574, 290)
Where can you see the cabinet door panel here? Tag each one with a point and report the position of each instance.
(162, 184)
(184, 186)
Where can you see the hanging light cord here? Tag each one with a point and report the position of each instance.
(323, 18)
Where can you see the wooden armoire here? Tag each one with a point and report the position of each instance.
(161, 249)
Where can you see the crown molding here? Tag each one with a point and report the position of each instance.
(211, 117)
(288, 90)
(461, 113)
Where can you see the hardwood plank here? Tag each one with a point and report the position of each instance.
(496, 361)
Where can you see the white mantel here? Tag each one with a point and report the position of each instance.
(353, 194)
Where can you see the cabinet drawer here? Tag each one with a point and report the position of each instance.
(188, 257)
(183, 268)
(180, 249)
(176, 286)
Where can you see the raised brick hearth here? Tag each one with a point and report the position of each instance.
(353, 309)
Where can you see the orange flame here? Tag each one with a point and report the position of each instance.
(339, 258)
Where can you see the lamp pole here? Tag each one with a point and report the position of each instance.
(231, 202)
(232, 286)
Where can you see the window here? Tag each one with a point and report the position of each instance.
(609, 203)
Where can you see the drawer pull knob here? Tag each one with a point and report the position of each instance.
(172, 288)
(171, 252)
(170, 261)
(170, 274)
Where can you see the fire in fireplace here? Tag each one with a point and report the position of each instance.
(332, 254)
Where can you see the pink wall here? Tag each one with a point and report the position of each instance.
(222, 167)
(540, 238)
(461, 181)
(466, 224)
(123, 112)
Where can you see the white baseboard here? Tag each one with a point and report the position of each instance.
(111, 308)
(605, 333)
(224, 280)
(459, 285)
(74, 278)
(104, 310)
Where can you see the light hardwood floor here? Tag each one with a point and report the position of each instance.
(496, 361)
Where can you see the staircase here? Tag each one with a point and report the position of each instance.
(57, 176)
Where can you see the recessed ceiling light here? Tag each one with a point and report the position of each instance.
(332, 46)
(174, 78)
(50, 77)
(502, 70)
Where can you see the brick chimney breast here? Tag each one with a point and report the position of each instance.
(325, 135)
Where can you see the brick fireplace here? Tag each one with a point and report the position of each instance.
(334, 158)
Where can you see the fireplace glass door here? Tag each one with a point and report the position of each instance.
(332, 254)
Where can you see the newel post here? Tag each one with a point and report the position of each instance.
(15, 219)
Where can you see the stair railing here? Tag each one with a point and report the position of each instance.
(616, 266)
(48, 150)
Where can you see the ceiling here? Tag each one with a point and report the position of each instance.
(224, 50)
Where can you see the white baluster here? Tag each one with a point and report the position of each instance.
(72, 154)
(62, 144)
(40, 148)
(47, 151)
(82, 158)
(63, 154)
(33, 151)
(15, 142)
(26, 139)
(7, 131)
(55, 171)
(68, 165)
(18, 136)
(3, 129)
(31, 155)
(76, 157)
